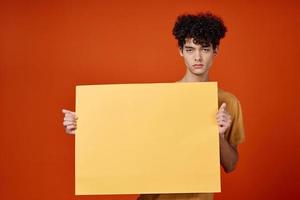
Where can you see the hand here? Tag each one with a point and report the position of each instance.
(70, 121)
(223, 119)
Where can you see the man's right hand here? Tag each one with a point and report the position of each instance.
(70, 121)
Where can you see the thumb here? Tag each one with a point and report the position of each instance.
(67, 111)
(223, 106)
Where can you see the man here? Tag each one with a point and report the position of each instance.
(198, 39)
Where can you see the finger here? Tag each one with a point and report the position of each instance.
(66, 123)
(222, 114)
(222, 107)
(71, 127)
(220, 123)
(67, 111)
(223, 124)
(220, 120)
(71, 115)
(223, 118)
(226, 124)
(69, 119)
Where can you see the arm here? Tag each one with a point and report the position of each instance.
(228, 152)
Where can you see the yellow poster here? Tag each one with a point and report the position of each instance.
(147, 138)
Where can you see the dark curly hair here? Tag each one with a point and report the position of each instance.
(204, 28)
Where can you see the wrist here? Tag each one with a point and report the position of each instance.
(222, 135)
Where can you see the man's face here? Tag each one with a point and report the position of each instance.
(198, 59)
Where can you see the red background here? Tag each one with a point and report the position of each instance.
(48, 47)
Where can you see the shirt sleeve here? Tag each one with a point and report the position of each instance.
(235, 134)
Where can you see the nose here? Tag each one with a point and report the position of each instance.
(198, 56)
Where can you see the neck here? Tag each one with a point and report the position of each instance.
(189, 77)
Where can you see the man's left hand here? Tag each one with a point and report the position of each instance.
(223, 119)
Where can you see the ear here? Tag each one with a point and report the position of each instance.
(180, 51)
(216, 50)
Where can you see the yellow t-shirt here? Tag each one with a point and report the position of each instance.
(234, 135)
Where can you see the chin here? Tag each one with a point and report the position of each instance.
(199, 72)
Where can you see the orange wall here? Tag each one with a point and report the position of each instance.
(47, 47)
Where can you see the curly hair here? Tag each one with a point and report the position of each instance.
(204, 28)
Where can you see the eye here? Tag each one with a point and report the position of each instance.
(189, 50)
(206, 49)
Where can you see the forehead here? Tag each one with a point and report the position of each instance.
(190, 42)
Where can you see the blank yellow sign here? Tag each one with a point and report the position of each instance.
(147, 138)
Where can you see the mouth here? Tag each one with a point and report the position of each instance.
(198, 66)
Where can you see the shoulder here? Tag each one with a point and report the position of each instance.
(233, 105)
(236, 132)
(227, 97)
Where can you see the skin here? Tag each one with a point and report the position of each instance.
(194, 54)
(198, 60)
(70, 121)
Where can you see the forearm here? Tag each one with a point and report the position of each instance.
(228, 155)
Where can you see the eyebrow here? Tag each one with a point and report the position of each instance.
(202, 46)
(189, 47)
